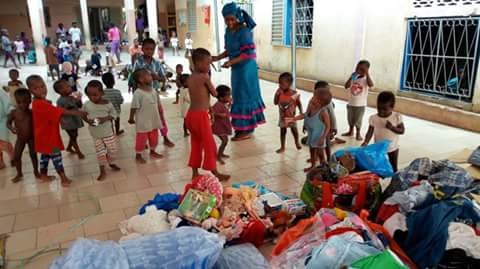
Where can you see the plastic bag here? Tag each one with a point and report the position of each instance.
(372, 158)
(241, 256)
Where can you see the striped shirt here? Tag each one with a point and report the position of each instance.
(115, 97)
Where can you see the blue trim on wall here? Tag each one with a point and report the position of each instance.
(406, 60)
(286, 23)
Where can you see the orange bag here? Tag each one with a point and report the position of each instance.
(292, 234)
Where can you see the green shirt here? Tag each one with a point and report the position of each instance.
(147, 116)
(115, 97)
(99, 111)
(382, 260)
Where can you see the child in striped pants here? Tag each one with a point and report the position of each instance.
(101, 115)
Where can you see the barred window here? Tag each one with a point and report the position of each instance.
(441, 56)
(192, 15)
(282, 22)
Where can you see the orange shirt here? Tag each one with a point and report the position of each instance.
(46, 127)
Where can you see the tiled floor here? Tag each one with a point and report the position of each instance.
(40, 214)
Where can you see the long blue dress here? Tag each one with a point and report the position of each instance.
(247, 108)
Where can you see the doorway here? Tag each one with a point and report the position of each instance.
(99, 18)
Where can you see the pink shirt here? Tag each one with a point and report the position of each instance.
(114, 34)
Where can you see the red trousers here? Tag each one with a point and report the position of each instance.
(141, 140)
(202, 141)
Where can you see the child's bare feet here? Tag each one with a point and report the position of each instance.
(120, 132)
(349, 133)
(80, 155)
(37, 174)
(64, 179)
(359, 137)
(280, 150)
(219, 159)
(70, 150)
(140, 159)
(175, 103)
(46, 178)
(17, 178)
(221, 177)
(155, 155)
(298, 145)
(115, 167)
(103, 175)
(168, 143)
(224, 156)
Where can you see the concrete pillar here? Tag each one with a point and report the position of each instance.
(130, 20)
(86, 24)
(35, 10)
(152, 19)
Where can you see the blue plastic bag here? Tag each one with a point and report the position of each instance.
(373, 158)
(241, 256)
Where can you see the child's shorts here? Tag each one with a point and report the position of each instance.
(355, 115)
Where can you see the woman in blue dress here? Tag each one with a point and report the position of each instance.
(247, 108)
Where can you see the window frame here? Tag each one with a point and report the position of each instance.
(286, 14)
(192, 20)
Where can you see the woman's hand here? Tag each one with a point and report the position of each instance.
(227, 64)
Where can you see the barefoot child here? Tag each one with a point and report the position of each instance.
(144, 113)
(287, 100)
(222, 125)
(70, 124)
(317, 123)
(386, 125)
(13, 85)
(46, 129)
(179, 72)
(70, 76)
(184, 100)
(5, 145)
(323, 86)
(101, 114)
(20, 123)
(203, 149)
(358, 85)
(113, 96)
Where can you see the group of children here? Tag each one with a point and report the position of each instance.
(320, 121)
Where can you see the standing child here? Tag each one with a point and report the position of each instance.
(222, 125)
(146, 61)
(203, 148)
(174, 43)
(188, 45)
(76, 54)
(13, 85)
(184, 100)
(5, 145)
(70, 124)
(113, 96)
(323, 86)
(95, 61)
(386, 125)
(20, 50)
(69, 76)
(52, 61)
(144, 113)
(101, 113)
(20, 123)
(179, 72)
(287, 100)
(317, 124)
(46, 124)
(358, 85)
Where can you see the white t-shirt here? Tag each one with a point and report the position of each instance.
(19, 46)
(359, 92)
(188, 43)
(382, 133)
(76, 34)
(174, 42)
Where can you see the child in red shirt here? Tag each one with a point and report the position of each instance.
(46, 129)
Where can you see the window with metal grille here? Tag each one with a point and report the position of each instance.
(441, 56)
(442, 3)
(282, 22)
(192, 15)
(246, 5)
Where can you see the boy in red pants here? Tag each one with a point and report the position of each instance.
(197, 120)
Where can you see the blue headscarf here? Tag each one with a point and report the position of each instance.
(241, 15)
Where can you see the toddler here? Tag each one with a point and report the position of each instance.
(20, 50)
(113, 96)
(145, 114)
(13, 85)
(70, 76)
(317, 124)
(287, 100)
(70, 124)
(20, 123)
(184, 100)
(386, 125)
(96, 62)
(179, 72)
(51, 55)
(222, 125)
(46, 122)
(5, 145)
(203, 148)
(188, 45)
(174, 43)
(358, 85)
(101, 114)
(323, 86)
